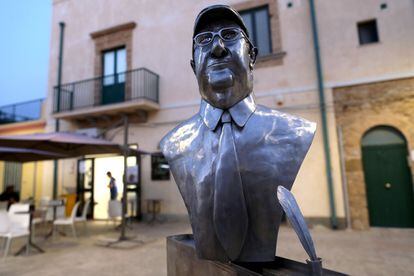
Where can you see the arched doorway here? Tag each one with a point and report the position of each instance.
(388, 178)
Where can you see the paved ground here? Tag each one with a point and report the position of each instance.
(374, 252)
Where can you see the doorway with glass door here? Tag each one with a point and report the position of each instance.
(93, 183)
(113, 81)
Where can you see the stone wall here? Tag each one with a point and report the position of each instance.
(359, 108)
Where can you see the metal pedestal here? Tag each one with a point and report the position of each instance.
(182, 261)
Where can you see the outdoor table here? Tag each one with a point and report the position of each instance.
(54, 204)
(154, 208)
(30, 243)
(127, 219)
(129, 216)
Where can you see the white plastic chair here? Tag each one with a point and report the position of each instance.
(60, 212)
(4, 221)
(47, 216)
(114, 210)
(68, 221)
(83, 218)
(15, 225)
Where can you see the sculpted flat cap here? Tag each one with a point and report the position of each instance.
(217, 12)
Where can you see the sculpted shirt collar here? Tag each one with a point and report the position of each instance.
(239, 112)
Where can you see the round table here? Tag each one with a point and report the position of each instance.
(30, 243)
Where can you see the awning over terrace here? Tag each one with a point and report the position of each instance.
(59, 145)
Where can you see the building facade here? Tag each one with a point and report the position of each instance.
(23, 118)
(132, 59)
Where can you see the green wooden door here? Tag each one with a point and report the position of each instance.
(113, 81)
(388, 185)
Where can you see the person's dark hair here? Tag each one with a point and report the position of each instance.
(9, 188)
(108, 174)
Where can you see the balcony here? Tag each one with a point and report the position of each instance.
(21, 112)
(130, 92)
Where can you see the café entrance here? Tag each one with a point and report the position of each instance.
(93, 183)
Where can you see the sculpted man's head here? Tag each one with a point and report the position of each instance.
(223, 56)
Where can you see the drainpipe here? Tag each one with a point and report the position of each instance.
(322, 106)
(125, 188)
(344, 179)
(59, 84)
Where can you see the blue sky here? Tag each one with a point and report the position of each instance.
(24, 49)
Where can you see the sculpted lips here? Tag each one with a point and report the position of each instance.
(223, 62)
(219, 63)
(220, 79)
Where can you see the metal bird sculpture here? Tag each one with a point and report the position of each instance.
(295, 217)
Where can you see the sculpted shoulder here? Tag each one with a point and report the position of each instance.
(285, 124)
(180, 138)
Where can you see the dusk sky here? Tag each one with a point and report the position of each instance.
(24, 48)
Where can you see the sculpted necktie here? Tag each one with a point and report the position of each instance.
(230, 212)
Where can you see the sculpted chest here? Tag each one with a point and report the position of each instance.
(265, 149)
(270, 150)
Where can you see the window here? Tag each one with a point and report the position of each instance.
(367, 32)
(114, 67)
(257, 22)
(160, 170)
(114, 63)
(117, 39)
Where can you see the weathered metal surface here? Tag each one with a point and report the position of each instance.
(267, 149)
(296, 219)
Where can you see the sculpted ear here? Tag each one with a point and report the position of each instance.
(253, 55)
(192, 65)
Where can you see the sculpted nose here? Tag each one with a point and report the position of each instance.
(218, 50)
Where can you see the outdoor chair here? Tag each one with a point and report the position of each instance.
(70, 221)
(114, 210)
(14, 225)
(83, 218)
(61, 212)
(46, 216)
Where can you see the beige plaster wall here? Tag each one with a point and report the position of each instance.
(32, 174)
(165, 29)
(311, 188)
(345, 60)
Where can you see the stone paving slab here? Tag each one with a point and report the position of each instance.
(374, 252)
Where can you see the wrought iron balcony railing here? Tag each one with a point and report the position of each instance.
(122, 87)
(20, 112)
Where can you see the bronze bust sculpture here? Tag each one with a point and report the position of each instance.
(229, 159)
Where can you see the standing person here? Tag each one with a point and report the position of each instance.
(112, 186)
